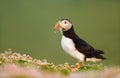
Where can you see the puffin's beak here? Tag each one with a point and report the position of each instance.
(56, 27)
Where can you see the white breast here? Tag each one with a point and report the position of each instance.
(69, 47)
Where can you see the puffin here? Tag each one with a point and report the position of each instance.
(75, 46)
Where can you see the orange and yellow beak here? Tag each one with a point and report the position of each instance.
(56, 27)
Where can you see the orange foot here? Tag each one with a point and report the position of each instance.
(76, 67)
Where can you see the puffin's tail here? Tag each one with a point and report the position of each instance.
(98, 54)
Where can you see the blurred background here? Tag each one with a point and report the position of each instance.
(26, 26)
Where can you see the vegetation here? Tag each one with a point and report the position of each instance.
(16, 65)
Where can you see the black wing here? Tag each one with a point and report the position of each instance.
(87, 49)
(82, 46)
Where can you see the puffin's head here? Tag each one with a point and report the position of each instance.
(63, 25)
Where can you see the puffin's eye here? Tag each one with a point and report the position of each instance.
(65, 22)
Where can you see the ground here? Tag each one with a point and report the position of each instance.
(16, 65)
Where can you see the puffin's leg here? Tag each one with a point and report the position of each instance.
(78, 65)
(75, 67)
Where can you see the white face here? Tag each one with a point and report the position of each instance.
(65, 25)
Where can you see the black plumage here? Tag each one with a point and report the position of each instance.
(82, 46)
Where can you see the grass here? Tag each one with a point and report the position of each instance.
(16, 65)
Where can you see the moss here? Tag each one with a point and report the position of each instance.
(65, 71)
